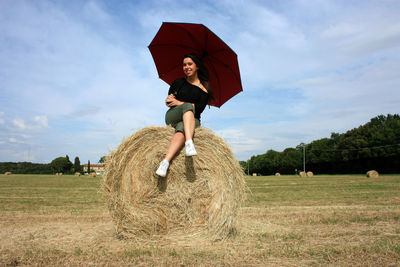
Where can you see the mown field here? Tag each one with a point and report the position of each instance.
(286, 221)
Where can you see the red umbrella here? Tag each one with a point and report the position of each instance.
(173, 40)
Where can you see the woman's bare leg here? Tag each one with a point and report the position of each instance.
(177, 142)
(178, 139)
(188, 125)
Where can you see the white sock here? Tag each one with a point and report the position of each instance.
(165, 160)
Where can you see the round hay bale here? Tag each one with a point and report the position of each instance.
(303, 174)
(77, 174)
(310, 174)
(7, 173)
(92, 174)
(199, 198)
(372, 174)
(277, 174)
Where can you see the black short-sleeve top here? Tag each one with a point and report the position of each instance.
(187, 92)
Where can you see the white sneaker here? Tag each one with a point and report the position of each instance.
(189, 148)
(163, 168)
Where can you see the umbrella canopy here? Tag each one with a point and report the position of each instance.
(173, 40)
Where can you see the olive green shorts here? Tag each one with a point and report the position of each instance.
(174, 116)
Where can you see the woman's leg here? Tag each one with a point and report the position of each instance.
(188, 124)
(177, 141)
(174, 116)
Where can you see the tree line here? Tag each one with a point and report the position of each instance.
(58, 165)
(374, 145)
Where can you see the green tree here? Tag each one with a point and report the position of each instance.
(376, 139)
(272, 162)
(256, 164)
(291, 159)
(77, 165)
(321, 150)
(88, 166)
(243, 164)
(25, 168)
(61, 164)
(374, 145)
(102, 159)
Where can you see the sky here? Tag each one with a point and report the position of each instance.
(76, 77)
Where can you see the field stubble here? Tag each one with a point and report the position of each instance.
(286, 221)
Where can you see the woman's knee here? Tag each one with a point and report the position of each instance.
(187, 107)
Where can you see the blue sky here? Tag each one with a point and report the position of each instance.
(76, 77)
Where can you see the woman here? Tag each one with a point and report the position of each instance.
(187, 98)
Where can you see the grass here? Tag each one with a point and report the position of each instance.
(48, 194)
(325, 220)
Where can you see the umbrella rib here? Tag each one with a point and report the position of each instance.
(205, 42)
(217, 78)
(188, 33)
(221, 63)
(226, 66)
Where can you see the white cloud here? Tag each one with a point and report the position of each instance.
(87, 78)
(19, 124)
(41, 121)
(239, 141)
(38, 122)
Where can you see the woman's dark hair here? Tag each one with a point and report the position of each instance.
(202, 72)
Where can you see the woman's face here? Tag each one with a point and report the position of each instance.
(189, 67)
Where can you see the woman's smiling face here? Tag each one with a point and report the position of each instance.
(189, 67)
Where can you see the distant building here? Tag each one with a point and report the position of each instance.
(98, 168)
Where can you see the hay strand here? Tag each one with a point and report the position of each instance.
(199, 197)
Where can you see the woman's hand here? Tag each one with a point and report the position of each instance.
(171, 101)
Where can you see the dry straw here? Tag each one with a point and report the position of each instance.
(310, 174)
(199, 198)
(303, 174)
(372, 174)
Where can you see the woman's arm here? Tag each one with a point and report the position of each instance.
(171, 101)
